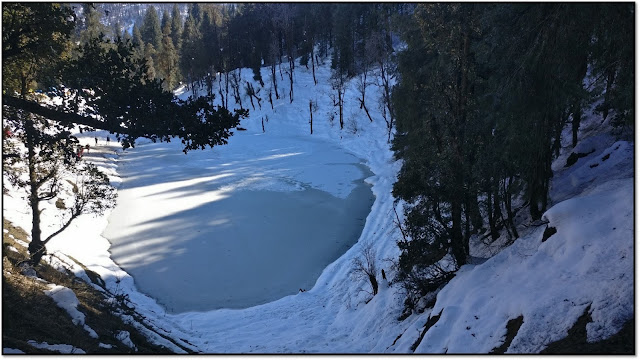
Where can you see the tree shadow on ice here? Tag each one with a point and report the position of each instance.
(246, 249)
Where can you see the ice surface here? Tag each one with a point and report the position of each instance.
(236, 226)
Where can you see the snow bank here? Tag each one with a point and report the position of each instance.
(66, 299)
(61, 348)
(124, 337)
(588, 262)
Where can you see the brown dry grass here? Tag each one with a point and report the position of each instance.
(29, 314)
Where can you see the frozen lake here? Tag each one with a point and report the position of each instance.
(240, 225)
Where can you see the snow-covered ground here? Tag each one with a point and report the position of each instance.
(588, 262)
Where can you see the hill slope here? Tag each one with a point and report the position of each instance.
(586, 266)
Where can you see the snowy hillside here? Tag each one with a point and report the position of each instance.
(586, 264)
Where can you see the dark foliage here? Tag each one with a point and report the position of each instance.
(485, 91)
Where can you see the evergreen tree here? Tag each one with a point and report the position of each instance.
(137, 36)
(343, 60)
(116, 30)
(613, 61)
(437, 107)
(190, 52)
(176, 27)
(92, 27)
(149, 56)
(209, 60)
(547, 39)
(138, 43)
(126, 35)
(484, 94)
(165, 24)
(35, 45)
(151, 31)
(168, 64)
(196, 14)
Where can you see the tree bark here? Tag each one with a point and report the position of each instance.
(36, 247)
(310, 117)
(340, 107)
(458, 248)
(374, 284)
(313, 65)
(274, 81)
(575, 124)
(63, 118)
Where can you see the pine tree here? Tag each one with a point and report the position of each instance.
(343, 60)
(176, 27)
(137, 36)
(209, 59)
(149, 56)
(484, 94)
(168, 63)
(116, 30)
(196, 14)
(151, 31)
(434, 123)
(190, 50)
(612, 55)
(92, 28)
(165, 24)
(126, 35)
(548, 39)
(138, 43)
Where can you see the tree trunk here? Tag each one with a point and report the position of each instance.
(291, 68)
(274, 81)
(311, 117)
(457, 242)
(340, 107)
(384, 76)
(36, 246)
(363, 93)
(220, 91)
(492, 221)
(575, 124)
(611, 75)
(507, 205)
(366, 110)
(374, 284)
(313, 65)
(271, 99)
(251, 99)
(460, 244)
(226, 89)
(539, 183)
(467, 218)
